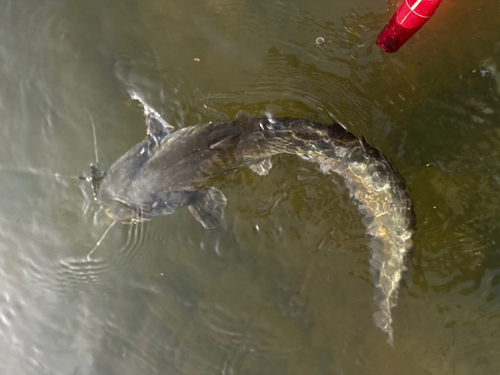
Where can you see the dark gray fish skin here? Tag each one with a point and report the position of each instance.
(172, 170)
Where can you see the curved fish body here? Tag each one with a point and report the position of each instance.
(172, 170)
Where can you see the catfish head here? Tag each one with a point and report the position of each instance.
(129, 192)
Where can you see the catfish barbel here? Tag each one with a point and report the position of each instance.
(170, 170)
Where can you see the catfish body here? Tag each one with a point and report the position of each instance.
(172, 170)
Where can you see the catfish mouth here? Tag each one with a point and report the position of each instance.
(123, 221)
(134, 221)
(119, 210)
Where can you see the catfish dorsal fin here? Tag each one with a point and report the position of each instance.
(209, 208)
(157, 127)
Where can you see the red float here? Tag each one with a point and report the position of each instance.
(409, 18)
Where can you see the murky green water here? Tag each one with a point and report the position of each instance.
(283, 286)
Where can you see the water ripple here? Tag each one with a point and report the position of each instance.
(75, 274)
(134, 248)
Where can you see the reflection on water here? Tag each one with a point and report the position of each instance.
(283, 286)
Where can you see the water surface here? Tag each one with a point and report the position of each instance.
(283, 286)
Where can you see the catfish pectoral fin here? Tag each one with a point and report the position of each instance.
(262, 167)
(209, 209)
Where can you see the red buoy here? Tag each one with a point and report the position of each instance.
(409, 18)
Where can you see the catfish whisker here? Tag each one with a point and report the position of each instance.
(95, 137)
(38, 173)
(101, 239)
